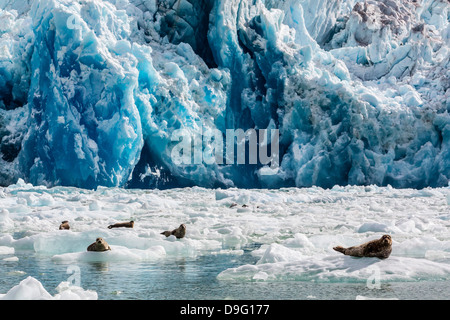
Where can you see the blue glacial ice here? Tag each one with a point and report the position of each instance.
(91, 92)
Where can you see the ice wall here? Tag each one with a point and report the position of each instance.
(91, 93)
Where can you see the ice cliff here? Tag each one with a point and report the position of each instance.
(92, 91)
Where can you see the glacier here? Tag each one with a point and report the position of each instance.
(91, 92)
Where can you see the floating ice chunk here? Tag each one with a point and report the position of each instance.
(11, 259)
(374, 227)
(6, 250)
(278, 253)
(63, 242)
(424, 193)
(5, 221)
(17, 273)
(244, 209)
(234, 240)
(171, 238)
(19, 209)
(299, 241)
(437, 255)
(20, 185)
(117, 253)
(6, 240)
(94, 205)
(27, 289)
(261, 276)
(408, 227)
(222, 194)
(228, 252)
(32, 289)
(45, 200)
(67, 291)
(419, 246)
(324, 268)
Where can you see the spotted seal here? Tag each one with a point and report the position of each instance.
(99, 245)
(179, 232)
(380, 248)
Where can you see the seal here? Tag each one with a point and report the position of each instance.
(122, 225)
(179, 232)
(380, 248)
(99, 245)
(234, 204)
(64, 225)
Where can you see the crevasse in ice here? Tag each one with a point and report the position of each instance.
(91, 92)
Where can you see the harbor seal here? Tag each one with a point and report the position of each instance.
(179, 232)
(99, 245)
(64, 225)
(380, 248)
(234, 204)
(122, 225)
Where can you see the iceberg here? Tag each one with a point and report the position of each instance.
(95, 93)
(31, 289)
(334, 269)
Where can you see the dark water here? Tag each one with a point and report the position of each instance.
(195, 278)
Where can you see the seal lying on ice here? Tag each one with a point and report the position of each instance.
(122, 225)
(380, 248)
(179, 232)
(99, 245)
(64, 225)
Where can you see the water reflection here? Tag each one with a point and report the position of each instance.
(100, 266)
